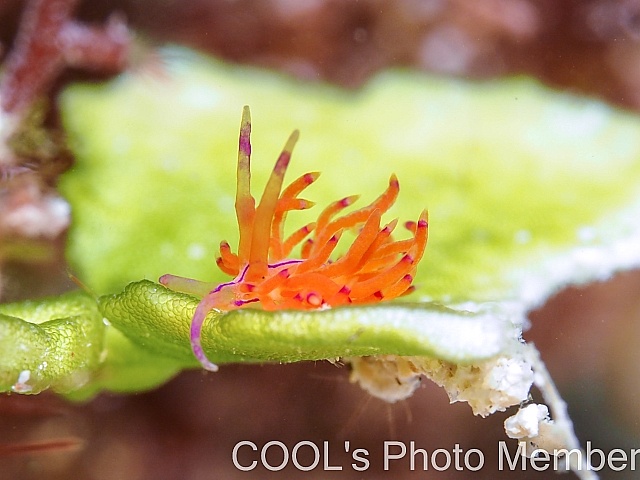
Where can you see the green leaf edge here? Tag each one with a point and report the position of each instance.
(159, 319)
(66, 345)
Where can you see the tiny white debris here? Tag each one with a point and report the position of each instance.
(587, 234)
(196, 251)
(21, 385)
(533, 426)
(106, 322)
(526, 422)
(522, 236)
(24, 376)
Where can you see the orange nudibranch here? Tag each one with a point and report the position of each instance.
(374, 268)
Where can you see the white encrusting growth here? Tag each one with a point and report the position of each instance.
(526, 423)
(488, 387)
(387, 377)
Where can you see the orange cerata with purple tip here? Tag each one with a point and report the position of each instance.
(374, 268)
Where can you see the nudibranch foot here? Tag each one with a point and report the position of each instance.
(374, 268)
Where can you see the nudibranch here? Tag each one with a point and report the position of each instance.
(374, 268)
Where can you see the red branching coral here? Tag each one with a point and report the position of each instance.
(374, 268)
(32, 156)
(48, 40)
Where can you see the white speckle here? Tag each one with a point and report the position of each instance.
(106, 322)
(121, 145)
(226, 204)
(522, 236)
(167, 249)
(24, 376)
(201, 97)
(59, 208)
(170, 163)
(587, 234)
(196, 251)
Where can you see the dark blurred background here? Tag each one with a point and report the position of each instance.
(187, 428)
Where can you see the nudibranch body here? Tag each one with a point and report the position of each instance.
(373, 269)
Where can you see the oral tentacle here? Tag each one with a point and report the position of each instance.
(186, 285)
(204, 307)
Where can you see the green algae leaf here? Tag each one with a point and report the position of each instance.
(125, 367)
(511, 173)
(64, 344)
(54, 342)
(158, 319)
(528, 190)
